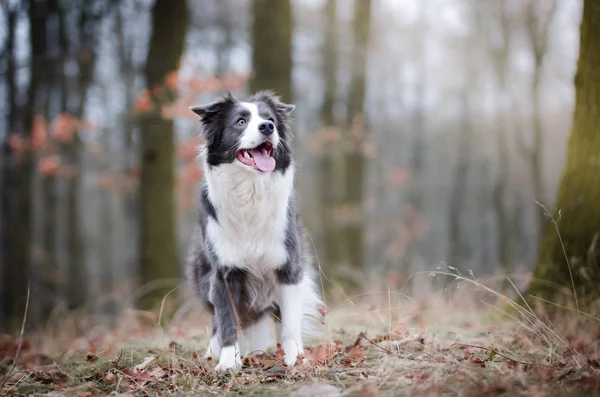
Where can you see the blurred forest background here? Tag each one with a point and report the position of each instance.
(426, 131)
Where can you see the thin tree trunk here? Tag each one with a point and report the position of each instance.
(54, 79)
(223, 50)
(77, 278)
(465, 137)
(130, 163)
(272, 47)
(538, 21)
(20, 229)
(330, 153)
(499, 45)
(354, 159)
(415, 194)
(158, 250)
(503, 243)
(6, 182)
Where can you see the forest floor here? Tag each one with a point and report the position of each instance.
(376, 344)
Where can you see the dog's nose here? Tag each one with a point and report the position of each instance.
(266, 127)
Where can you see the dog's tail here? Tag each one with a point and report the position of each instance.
(313, 310)
(314, 307)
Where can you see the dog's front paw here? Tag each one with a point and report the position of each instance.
(292, 350)
(230, 358)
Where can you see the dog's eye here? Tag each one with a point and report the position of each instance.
(240, 122)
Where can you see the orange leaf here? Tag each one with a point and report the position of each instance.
(39, 134)
(323, 353)
(16, 143)
(144, 104)
(64, 127)
(280, 353)
(355, 354)
(172, 80)
(49, 165)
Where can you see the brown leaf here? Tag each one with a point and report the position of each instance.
(49, 377)
(354, 355)
(260, 361)
(91, 357)
(280, 353)
(175, 347)
(323, 353)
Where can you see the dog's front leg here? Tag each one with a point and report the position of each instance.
(226, 295)
(292, 313)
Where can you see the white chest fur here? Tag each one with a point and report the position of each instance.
(252, 216)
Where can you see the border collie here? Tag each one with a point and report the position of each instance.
(249, 260)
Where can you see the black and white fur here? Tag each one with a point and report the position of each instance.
(249, 259)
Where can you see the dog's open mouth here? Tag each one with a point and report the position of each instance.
(259, 157)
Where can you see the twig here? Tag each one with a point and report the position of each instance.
(364, 336)
(27, 375)
(116, 364)
(14, 365)
(162, 305)
(504, 356)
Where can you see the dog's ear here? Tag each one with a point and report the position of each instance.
(212, 116)
(206, 111)
(274, 101)
(285, 108)
(202, 111)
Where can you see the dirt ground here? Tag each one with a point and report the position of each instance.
(378, 344)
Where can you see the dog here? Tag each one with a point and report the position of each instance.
(248, 260)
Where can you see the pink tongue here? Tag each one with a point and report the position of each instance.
(262, 160)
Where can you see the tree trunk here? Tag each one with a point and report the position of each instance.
(5, 164)
(354, 158)
(129, 151)
(456, 252)
(579, 193)
(54, 79)
(158, 249)
(76, 274)
(49, 293)
(22, 168)
(330, 153)
(272, 47)
(499, 199)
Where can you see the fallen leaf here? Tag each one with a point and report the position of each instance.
(91, 357)
(323, 353)
(110, 377)
(280, 353)
(355, 354)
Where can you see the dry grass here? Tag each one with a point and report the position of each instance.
(379, 343)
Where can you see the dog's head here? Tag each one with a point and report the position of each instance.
(254, 134)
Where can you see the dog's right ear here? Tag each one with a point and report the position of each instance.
(206, 111)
